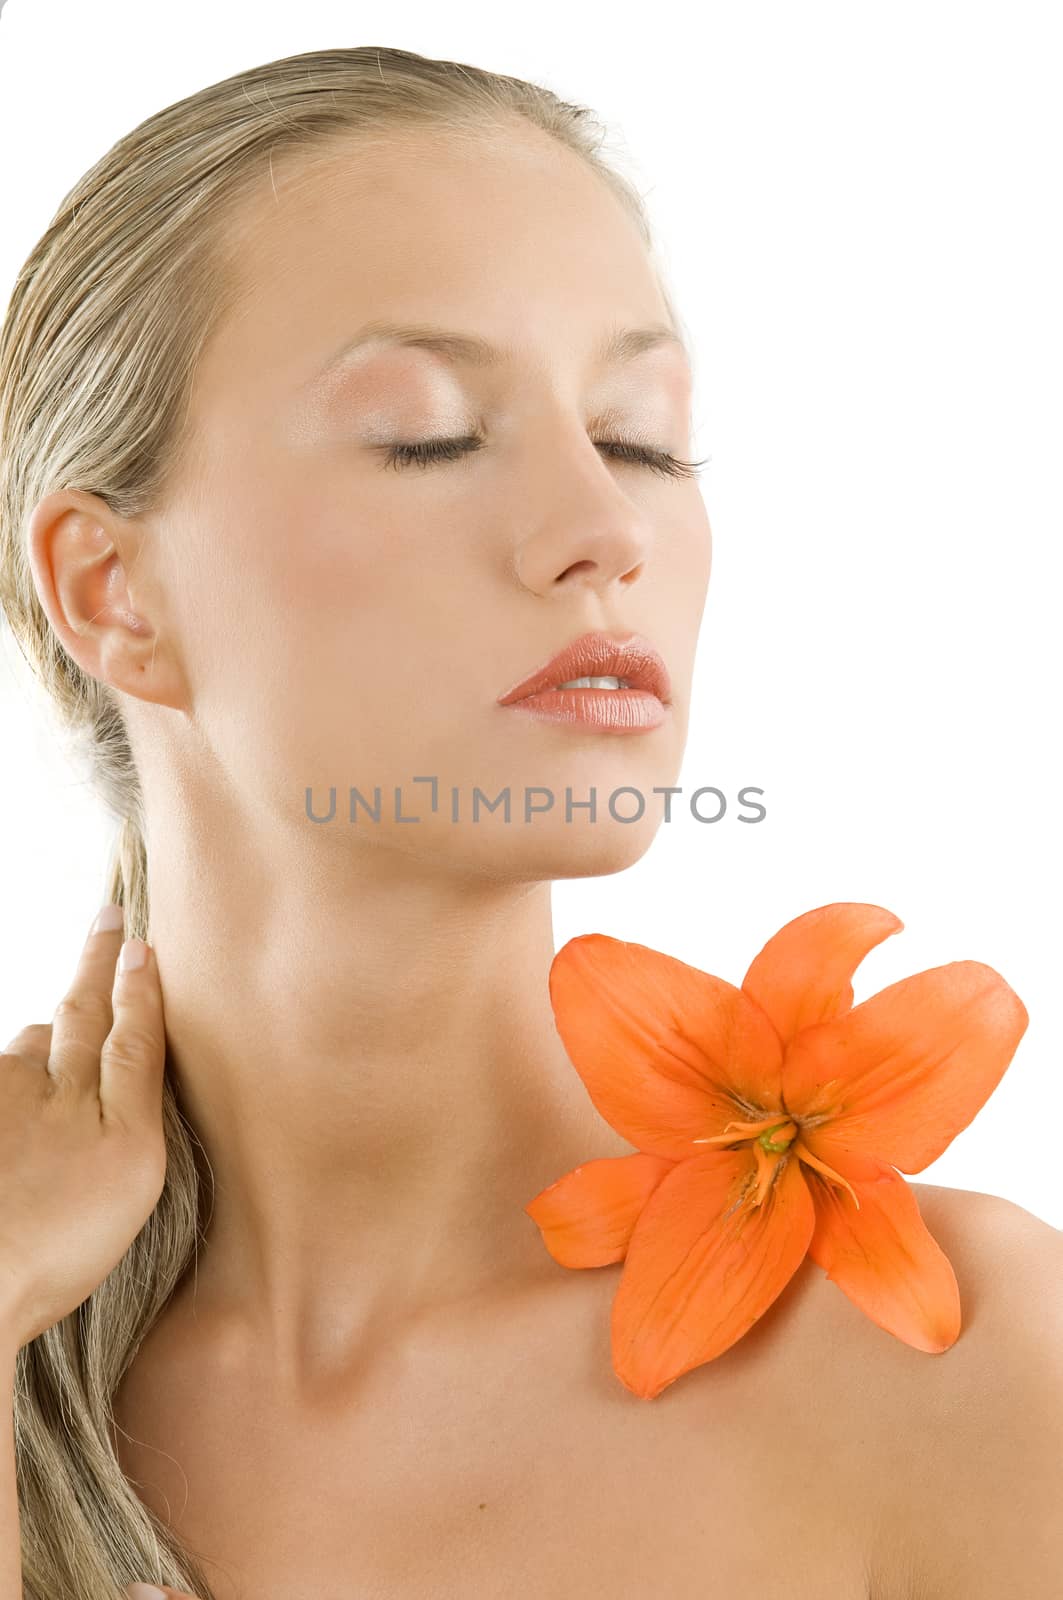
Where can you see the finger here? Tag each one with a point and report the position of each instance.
(133, 1057)
(83, 1017)
(32, 1043)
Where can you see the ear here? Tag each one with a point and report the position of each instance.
(148, 1591)
(82, 558)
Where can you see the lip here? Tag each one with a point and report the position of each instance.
(597, 655)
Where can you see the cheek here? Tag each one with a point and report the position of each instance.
(290, 565)
(682, 561)
(360, 574)
(333, 615)
(696, 547)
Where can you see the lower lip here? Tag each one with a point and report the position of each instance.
(605, 710)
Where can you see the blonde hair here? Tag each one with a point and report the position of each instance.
(97, 359)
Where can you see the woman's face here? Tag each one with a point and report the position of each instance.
(344, 623)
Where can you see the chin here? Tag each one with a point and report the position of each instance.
(543, 849)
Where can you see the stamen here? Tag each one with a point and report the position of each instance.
(803, 1152)
(766, 1168)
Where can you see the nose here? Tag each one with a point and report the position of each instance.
(616, 557)
(594, 539)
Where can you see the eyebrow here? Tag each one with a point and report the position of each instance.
(618, 345)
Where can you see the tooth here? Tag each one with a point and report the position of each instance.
(607, 681)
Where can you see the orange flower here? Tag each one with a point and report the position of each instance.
(768, 1122)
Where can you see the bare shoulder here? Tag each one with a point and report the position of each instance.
(983, 1507)
(996, 1217)
(918, 1475)
(1009, 1267)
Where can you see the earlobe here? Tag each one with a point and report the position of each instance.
(80, 555)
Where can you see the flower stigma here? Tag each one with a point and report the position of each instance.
(778, 1138)
(767, 1137)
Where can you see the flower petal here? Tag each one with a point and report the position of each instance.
(802, 974)
(587, 1217)
(901, 1074)
(885, 1260)
(703, 1265)
(667, 1052)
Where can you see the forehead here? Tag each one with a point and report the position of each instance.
(515, 241)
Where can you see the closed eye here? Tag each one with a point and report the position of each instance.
(430, 450)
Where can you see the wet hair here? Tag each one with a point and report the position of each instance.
(98, 352)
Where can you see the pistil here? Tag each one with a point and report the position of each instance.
(745, 1130)
(771, 1138)
(778, 1138)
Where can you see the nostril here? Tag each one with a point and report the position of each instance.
(577, 566)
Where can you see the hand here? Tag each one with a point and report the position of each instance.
(82, 1148)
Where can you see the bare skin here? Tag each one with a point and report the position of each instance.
(882, 1475)
(388, 1387)
(818, 1456)
(358, 1014)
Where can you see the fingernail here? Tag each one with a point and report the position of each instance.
(108, 918)
(133, 953)
(144, 1591)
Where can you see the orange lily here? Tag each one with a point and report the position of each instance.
(769, 1123)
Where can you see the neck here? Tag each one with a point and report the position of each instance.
(371, 1064)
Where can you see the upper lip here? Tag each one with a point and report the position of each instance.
(597, 655)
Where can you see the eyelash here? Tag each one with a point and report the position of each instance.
(430, 450)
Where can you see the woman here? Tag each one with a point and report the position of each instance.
(260, 545)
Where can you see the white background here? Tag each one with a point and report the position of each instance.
(858, 207)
